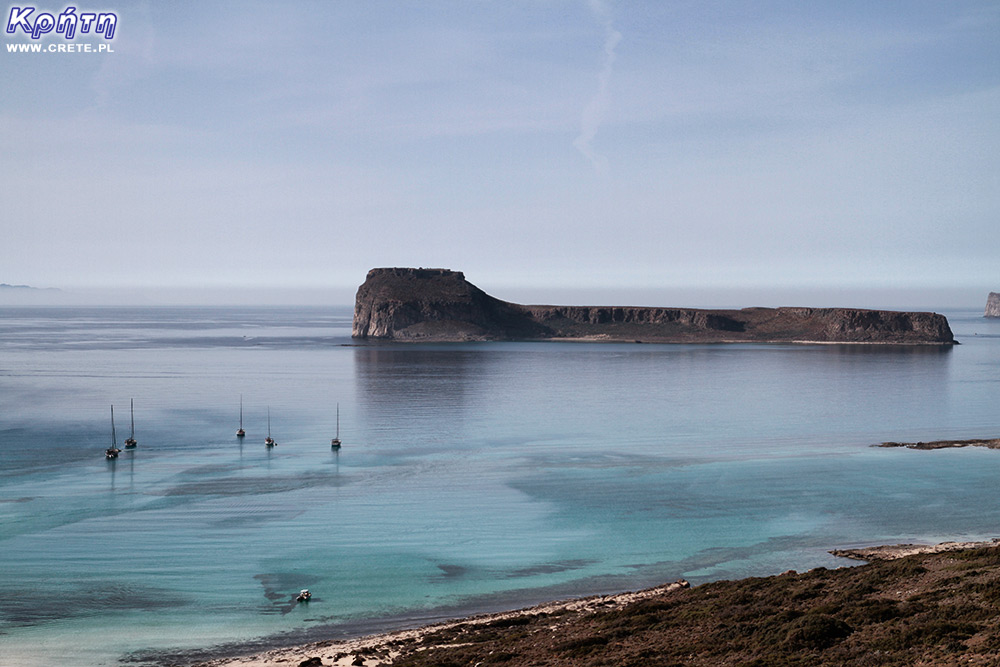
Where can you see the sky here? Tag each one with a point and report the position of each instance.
(673, 152)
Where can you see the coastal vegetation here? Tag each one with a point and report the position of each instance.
(926, 609)
(929, 605)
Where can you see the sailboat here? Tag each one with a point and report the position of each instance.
(269, 441)
(240, 433)
(131, 443)
(335, 442)
(112, 451)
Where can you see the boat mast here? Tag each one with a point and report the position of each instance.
(240, 433)
(131, 407)
(114, 441)
(335, 442)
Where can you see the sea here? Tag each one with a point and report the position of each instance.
(473, 477)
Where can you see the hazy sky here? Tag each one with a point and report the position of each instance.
(638, 146)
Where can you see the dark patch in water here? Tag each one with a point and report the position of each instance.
(240, 486)
(452, 571)
(34, 607)
(551, 568)
(210, 469)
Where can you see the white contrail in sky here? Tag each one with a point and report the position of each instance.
(593, 113)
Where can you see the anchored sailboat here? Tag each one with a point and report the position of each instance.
(112, 451)
(131, 443)
(240, 433)
(269, 441)
(335, 442)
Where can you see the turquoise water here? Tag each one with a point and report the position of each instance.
(472, 477)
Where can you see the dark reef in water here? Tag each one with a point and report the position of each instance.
(441, 305)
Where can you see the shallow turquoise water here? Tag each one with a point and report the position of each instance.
(472, 477)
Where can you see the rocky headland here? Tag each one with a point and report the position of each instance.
(989, 443)
(993, 305)
(407, 304)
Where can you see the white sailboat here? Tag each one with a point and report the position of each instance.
(112, 451)
(269, 441)
(131, 443)
(335, 442)
(240, 433)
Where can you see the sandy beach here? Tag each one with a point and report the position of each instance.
(381, 649)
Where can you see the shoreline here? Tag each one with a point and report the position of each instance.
(896, 551)
(374, 650)
(989, 443)
(382, 648)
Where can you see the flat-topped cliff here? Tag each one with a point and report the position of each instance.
(441, 305)
(993, 305)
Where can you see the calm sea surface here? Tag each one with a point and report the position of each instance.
(472, 477)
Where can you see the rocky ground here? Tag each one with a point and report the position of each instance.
(991, 443)
(919, 605)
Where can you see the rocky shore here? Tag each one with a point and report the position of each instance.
(992, 305)
(894, 551)
(991, 443)
(439, 305)
(929, 605)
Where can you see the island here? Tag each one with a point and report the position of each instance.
(993, 305)
(440, 305)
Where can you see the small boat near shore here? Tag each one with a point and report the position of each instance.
(335, 442)
(131, 443)
(112, 452)
(303, 596)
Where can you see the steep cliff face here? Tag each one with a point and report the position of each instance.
(440, 305)
(854, 325)
(435, 304)
(993, 305)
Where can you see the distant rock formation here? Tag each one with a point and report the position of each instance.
(440, 305)
(989, 443)
(993, 305)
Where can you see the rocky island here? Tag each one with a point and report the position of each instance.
(440, 305)
(993, 305)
